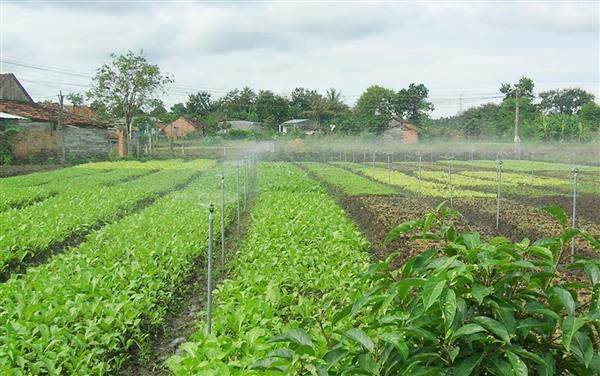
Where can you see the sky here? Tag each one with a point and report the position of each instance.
(458, 49)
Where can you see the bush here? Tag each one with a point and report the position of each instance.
(463, 307)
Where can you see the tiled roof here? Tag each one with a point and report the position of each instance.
(47, 113)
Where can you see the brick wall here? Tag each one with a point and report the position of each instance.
(178, 128)
(37, 138)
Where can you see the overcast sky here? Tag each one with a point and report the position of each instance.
(454, 47)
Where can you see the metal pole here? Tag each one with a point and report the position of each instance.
(373, 169)
(222, 215)
(245, 183)
(419, 175)
(450, 180)
(364, 156)
(575, 171)
(389, 170)
(353, 157)
(211, 217)
(237, 194)
(498, 194)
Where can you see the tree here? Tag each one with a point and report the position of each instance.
(179, 109)
(301, 100)
(199, 104)
(334, 101)
(127, 85)
(524, 88)
(76, 99)
(319, 109)
(564, 101)
(238, 104)
(375, 107)
(411, 104)
(271, 109)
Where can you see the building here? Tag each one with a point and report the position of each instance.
(182, 127)
(306, 126)
(401, 131)
(39, 133)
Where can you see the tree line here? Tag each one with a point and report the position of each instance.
(129, 88)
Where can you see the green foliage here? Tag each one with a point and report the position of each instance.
(91, 307)
(564, 101)
(76, 99)
(86, 201)
(7, 131)
(127, 85)
(199, 104)
(463, 307)
(411, 103)
(350, 184)
(282, 281)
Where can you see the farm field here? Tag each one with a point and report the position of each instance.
(338, 268)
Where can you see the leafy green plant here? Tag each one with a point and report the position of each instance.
(464, 307)
(349, 183)
(86, 310)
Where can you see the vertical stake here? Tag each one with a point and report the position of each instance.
(389, 170)
(353, 157)
(373, 169)
(498, 194)
(245, 183)
(237, 193)
(211, 217)
(450, 180)
(573, 223)
(222, 218)
(419, 174)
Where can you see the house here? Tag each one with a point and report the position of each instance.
(182, 127)
(12, 90)
(304, 125)
(39, 134)
(243, 125)
(401, 131)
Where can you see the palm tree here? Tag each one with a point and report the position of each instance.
(334, 100)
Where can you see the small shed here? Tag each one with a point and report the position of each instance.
(183, 127)
(401, 131)
(305, 125)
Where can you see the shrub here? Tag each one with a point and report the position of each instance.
(463, 307)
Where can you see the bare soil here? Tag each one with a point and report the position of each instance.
(14, 170)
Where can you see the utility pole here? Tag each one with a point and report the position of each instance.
(61, 127)
(517, 138)
(460, 104)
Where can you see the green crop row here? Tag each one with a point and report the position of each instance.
(29, 231)
(86, 310)
(349, 183)
(20, 196)
(411, 183)
(523, 165)
(300, 252)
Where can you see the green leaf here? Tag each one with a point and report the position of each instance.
(493, 326)
(465, 366)
(432, 289)
(397, 340)
(556, 212)
(468, 329)
(361, 337)
(582, 347)
(448, 307)
(518, 366)
(565, 298)
(479, 292)
(297, 336)
(334, 356)
(470, 239)
(400, 230)
(569, 327)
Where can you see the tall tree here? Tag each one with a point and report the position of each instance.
(127, 85)
(179, 109)
(199, 104)
(334, 101)
(271, 109)
(411, 103)
(524, 89)
(564, 101)
(375, 107)
(301, 100)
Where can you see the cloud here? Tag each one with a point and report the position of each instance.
(453, 47)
